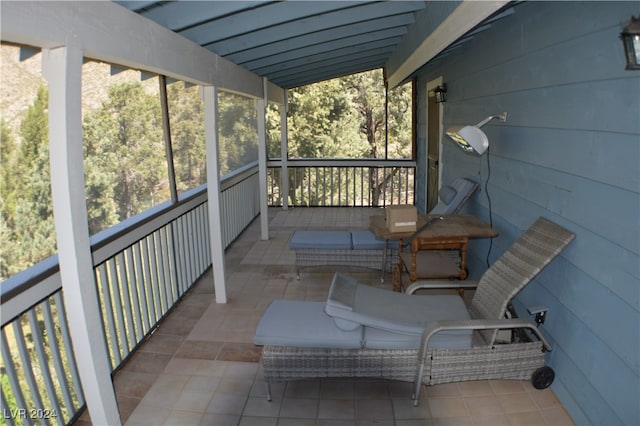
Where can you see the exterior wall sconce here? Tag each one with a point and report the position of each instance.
(441, 93)
(630, 36)
(470, 138)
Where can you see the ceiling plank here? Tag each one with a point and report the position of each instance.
(361, 13)
(351, 44)
(323, 36)
(327, 74)
(372, 52)
(183, 14)
(259, 18)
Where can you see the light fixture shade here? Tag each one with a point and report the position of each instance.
(469, 138)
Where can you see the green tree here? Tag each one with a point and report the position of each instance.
(124, 156)
(186, 115)
(347, 118)
(322, 123)
(8, 153)
(28, 232)
(237, 131)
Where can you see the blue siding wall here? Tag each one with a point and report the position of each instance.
(570, 151)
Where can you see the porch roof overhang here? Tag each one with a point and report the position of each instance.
(296, 43)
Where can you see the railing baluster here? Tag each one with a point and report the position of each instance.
(51, 395)
(193, 257)
(150, 273)
(134, 286)
(339, 186)
(56, 358)
(170, 274)
(176, 240)
(118, 307)
(6, 410)
(142, 287)
(126, 302)
(161, 281)
(27, 366)
(108, 309)
(68, 349)
(10, 370)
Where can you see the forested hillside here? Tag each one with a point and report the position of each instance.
(125, 162)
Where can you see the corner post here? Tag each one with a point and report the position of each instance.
(62, 68)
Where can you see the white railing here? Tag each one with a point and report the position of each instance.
(342, 183)
(143, 266)
(240, 201)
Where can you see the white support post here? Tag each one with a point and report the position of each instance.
(63, 70)
(213, 192)
(261, 106)
(284, 153)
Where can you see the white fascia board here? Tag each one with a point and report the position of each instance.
(466, 16)
(275, 93)
(108, 32)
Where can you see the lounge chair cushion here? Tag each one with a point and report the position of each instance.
(375, 338)
(366, 240)
(454, 196)
(397, 313)
(304, 324)
(322, 240)
(447, 194)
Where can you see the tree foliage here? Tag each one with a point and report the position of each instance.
(186, 116)
(346, 118)
(28, 231)
(237, 131)
(350, 117)
(125, 147)
(125, 161)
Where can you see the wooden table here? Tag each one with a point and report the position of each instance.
(436, 227)
(434, 232)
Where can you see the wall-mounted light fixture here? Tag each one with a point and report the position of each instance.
(441, 93)
(471, 138)
(630, 36)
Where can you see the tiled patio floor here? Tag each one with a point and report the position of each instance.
(201, 368)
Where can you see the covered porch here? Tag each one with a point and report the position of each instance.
(569, 152)
(201, 367)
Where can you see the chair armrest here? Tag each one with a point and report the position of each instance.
(439, 284)
(500, 324)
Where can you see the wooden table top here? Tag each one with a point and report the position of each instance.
(436, 226)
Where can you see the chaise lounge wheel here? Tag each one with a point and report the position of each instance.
(543, 377)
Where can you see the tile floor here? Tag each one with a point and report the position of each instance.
(200, 367)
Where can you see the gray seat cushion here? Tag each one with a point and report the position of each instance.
(304, 324)
(374, 338)
(327, 240)
(453, 196)
(398, 313)
(366, 240)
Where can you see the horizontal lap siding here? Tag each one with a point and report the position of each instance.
(569, 151)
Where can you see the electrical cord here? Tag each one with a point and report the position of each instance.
(486, 191)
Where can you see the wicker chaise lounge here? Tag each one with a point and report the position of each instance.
(362, 331)
(361, 248)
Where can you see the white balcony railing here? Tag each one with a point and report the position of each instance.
(342, 183)
(144, 265)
